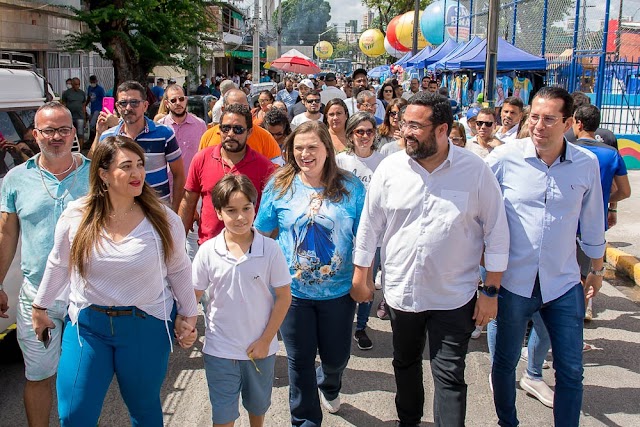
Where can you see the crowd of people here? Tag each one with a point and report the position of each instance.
(288, 216)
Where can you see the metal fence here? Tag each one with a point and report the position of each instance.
(590, 45)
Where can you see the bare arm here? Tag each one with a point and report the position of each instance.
(621, 189)
(260, 348)
(187, 209)
(177, 170)
(9, 235)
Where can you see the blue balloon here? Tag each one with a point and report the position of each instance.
(432, 22)
(444, 19)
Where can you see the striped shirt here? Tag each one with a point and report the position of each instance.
(160, 147)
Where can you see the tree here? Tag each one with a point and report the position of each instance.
(137, 35)
(303, 20)
(387, 10)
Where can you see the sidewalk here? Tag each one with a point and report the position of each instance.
(623, 251)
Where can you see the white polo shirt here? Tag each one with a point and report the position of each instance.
(240, 293)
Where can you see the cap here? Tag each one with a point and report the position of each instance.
(247, 82)
(330, 77)
(473, 112)
(171, 80)
(359, 71)
(308, 83)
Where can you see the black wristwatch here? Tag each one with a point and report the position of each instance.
(490, 291)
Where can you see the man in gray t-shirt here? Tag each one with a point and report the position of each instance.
(74, 99)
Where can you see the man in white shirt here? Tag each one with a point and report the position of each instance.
(332, 90)
(435, 208)
(360, 83)
(511, 115)
(225, 86)
(312, 102)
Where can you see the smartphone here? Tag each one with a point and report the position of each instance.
(46, 337)
(109, 103)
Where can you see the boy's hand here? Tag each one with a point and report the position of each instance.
(185, 330)
(258, 349)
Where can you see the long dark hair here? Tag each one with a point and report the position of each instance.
(385, 128)
(98, 206)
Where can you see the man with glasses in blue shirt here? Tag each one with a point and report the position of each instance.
(548, 185)
(158, 142)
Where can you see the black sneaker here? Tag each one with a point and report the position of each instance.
(364, 343)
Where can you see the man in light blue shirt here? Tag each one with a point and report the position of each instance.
(548, 185)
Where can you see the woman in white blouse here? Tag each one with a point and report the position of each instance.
(119, 255)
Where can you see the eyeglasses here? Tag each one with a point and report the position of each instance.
(548, 121)
(366, 105)
(480, 123)
(174, 100)
(393, 113)
(313, 101)
(413, 126)
(363, 132)
(133, 102)
(237, 129)
(388, 91)
(50, 132)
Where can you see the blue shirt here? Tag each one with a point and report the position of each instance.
(544, 205)
(24, 194)
(160, 147)
(611, 165)
(158, 92)
(315, 234)
(96, 95)
(289, 98)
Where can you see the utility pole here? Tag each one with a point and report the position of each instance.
(416, 19)
(619, 31)
(491, 67)
(279, 30)
(255, 65)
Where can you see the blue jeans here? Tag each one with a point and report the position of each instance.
(134, 347)
(563, 318)
(364, 308)
(316, 327)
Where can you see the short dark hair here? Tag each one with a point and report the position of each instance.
(425, 78)
(515, 101)
(443, 91)
(222, 191)
(554, 92)
(93, 79)
(132, 85)
(580, 99)
(589, 116)
(312, 92)
(488, 111)
(239, 109)
(433, 81)
(440, 106)
(275, 117)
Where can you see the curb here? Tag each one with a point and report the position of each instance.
(624, 263)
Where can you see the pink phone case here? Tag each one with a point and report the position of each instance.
(109, 103)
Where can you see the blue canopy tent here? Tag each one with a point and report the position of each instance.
(424, 57)
(460, 50)
(379, 71)
(403, 60)
(509, 58)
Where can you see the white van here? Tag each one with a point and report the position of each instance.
(22, 92)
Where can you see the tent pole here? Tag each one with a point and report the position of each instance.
(491, 66)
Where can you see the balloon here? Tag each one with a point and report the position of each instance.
(391, 50)
(391, 35)
(442, 18)
(323, 50)
(372, 43)
(404, 31)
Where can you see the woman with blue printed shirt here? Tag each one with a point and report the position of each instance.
(314, 208)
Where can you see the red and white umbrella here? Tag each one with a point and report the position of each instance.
(295, 64)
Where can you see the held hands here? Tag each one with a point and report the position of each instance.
(185, 330)
(362, 291)
(486, 309)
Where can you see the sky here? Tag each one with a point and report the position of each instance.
(343, 11)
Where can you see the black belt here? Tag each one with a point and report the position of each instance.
(116, 312)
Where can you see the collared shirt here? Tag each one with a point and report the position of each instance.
(160, 147)
(433, 227)
(239, 289)
(188, 135)
(508, 136)
(208, 167)
(289, 98)
(24, 194)
(544, 204)
(260, 140)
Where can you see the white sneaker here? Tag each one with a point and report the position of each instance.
(332, 406)
(476, 333)
(538, 389)
(524, 356)
(378, 281)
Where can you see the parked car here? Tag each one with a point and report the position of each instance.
(201, 105)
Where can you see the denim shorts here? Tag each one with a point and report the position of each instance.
(228, 378)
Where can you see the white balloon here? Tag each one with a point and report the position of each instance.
(391, 50)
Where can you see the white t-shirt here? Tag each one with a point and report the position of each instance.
(390, 148)
(301, 118)
(217, 111)
(239, 290)
(362, 167)
(330, 93)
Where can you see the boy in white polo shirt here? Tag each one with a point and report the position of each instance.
(241, 271)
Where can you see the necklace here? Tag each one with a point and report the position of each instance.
(60, 199)
(122, 215)
(73, 162)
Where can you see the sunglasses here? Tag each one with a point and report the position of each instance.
(177, 99)
(133, 102)
(363, 132)
(480, 123)
(388, 91)
(313, 101)
(393, 113)
(237, 129)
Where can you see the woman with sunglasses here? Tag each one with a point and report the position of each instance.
(335, 117)
(389, 130)
(265, 100)
(362, 159)
(386, 94)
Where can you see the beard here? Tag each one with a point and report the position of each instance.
(424, 149)
(234, 146)
(182, 114)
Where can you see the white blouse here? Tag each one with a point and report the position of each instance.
(131, 272)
